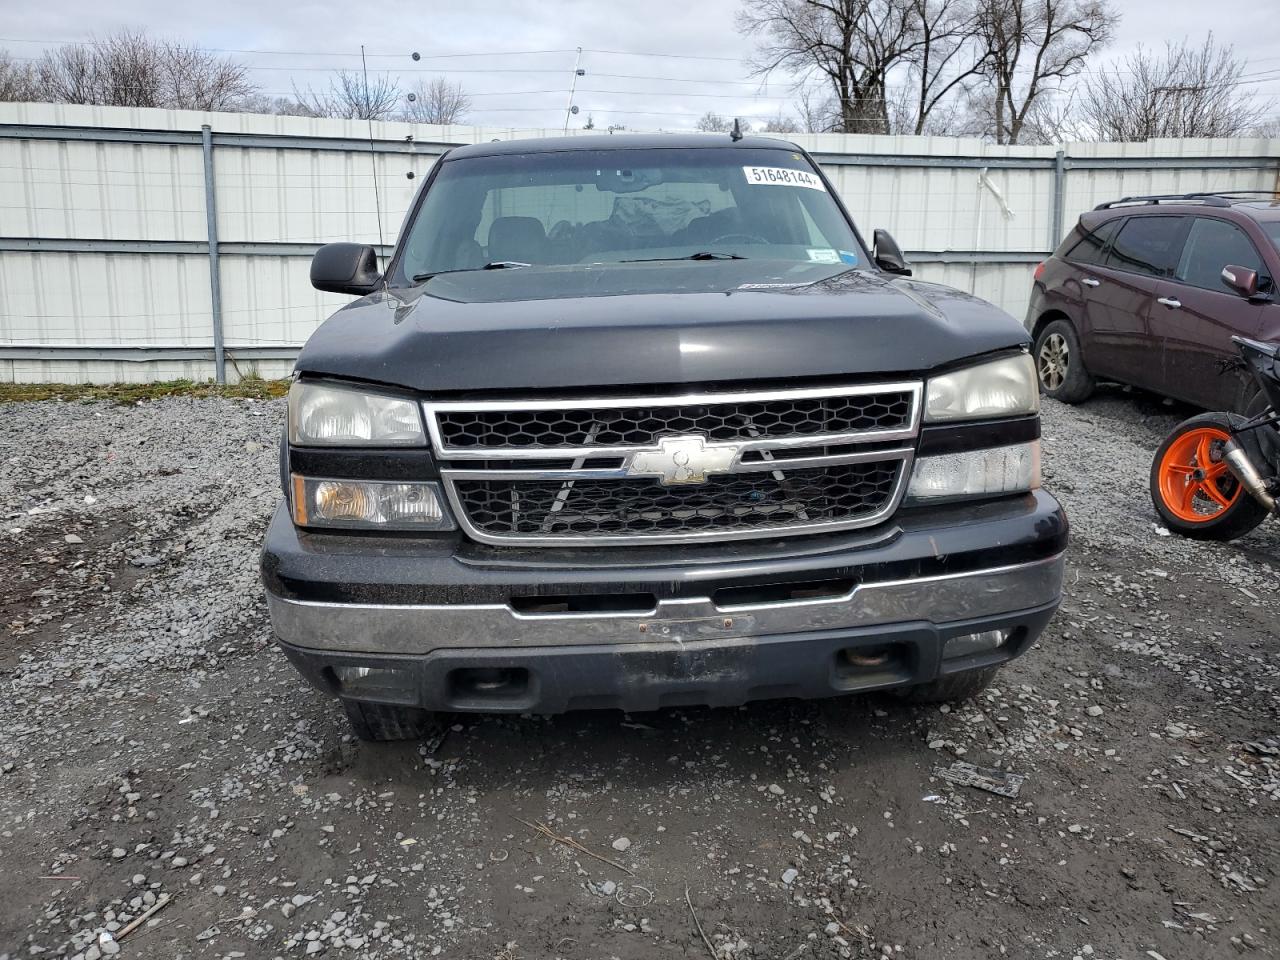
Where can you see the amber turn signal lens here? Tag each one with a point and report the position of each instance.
(299, 500)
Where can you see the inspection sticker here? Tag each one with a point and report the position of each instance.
(783, 176)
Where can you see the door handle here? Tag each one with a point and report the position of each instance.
(1090, 282)
(1173, 303)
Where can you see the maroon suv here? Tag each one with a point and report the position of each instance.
(1149, 291)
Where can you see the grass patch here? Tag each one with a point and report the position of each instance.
(251, 386)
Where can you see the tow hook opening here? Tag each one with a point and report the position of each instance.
(372, 683)
(488, 683)
(861, 665)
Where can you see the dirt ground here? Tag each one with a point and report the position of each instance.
(156, 750)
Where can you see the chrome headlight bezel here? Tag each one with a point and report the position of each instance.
(1004, 387)
(355, 417)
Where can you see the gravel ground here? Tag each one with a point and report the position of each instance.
(155, 750)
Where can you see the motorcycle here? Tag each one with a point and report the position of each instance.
(1217, 475)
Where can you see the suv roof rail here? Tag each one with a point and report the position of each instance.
(1208, 199)
(1222, 198)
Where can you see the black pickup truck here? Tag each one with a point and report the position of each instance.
(631, 422)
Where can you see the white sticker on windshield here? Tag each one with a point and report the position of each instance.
(783, 176)
(823, 255)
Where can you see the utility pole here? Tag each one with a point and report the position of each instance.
(570, 110)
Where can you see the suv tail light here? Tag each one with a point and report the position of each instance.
(1039, 270)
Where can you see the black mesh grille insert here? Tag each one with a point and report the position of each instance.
(630, 507)
(642, 426)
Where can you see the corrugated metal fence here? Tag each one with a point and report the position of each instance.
(151, 244)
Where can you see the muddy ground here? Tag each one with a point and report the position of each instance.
(155, 749)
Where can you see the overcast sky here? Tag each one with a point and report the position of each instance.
(649, 65)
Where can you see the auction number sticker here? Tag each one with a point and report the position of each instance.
(783, 176)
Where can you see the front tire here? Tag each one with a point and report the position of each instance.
(1192, 489)
(380, 722)
(1060, 363)
(955, 686)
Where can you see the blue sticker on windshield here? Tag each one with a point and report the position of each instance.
(848, 256)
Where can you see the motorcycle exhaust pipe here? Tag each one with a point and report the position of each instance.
(1242, 469)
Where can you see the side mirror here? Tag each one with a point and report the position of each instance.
(345, 268)
(1241, 280)
(888, 255)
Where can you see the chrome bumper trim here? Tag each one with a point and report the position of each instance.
(420, 629)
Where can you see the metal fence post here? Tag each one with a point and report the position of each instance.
(215, 282)
(1059, 196)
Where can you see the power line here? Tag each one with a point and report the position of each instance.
(670, 56)
(439, 56)
(309, 53)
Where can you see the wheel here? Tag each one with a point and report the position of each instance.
(1060, 363)
(1193, 491)
(381, 721)
(956, 686)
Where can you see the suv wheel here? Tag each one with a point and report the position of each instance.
(955, 686)
(382, 721)
(1060, 364)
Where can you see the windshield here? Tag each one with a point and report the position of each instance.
(621, 205)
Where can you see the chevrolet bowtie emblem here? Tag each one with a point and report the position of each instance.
(683, 460)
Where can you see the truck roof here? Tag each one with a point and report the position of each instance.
(620, 141)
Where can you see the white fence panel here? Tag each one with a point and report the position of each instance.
(104, 239)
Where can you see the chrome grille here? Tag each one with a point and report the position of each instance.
(724, 504)
(676, 468)
(607, 426)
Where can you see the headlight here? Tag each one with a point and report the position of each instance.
(1001, 388)
(321, 415)
(368, 504)
(976, 473)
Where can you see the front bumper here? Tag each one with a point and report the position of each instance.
(444, 627)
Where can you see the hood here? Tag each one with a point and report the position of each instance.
(653, 324)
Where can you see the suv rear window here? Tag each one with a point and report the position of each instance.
(1211, 245)
(1089, 248)
(1147, 245)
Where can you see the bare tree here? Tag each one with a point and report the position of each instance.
(121, 70)
(712, 122)
(852, 44)
(17, 80)
(780, 122)
(947, 118)
(437, 101)
(280, 106)
(131, 69)
(858, 47)
(352, 96)
(195, 79)
(946, 58)
(1266, 129)
(818, 113)
(1030, 47)
(1053, 119)
(1189, 92)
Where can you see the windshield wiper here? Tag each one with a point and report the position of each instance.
(701, 255)
(493, 265)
